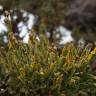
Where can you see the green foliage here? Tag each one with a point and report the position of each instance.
(38, 69)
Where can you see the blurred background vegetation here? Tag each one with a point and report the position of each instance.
(74, 14)
(78, 16)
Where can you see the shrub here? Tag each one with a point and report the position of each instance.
(38, 69)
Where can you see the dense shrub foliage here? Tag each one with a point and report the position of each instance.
(38, 69)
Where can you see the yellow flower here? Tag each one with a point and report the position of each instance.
(95, 49)
(32, 66)
(41, 71)
(91, 54)
(22, 72)
(51, 66)
(59, 78)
